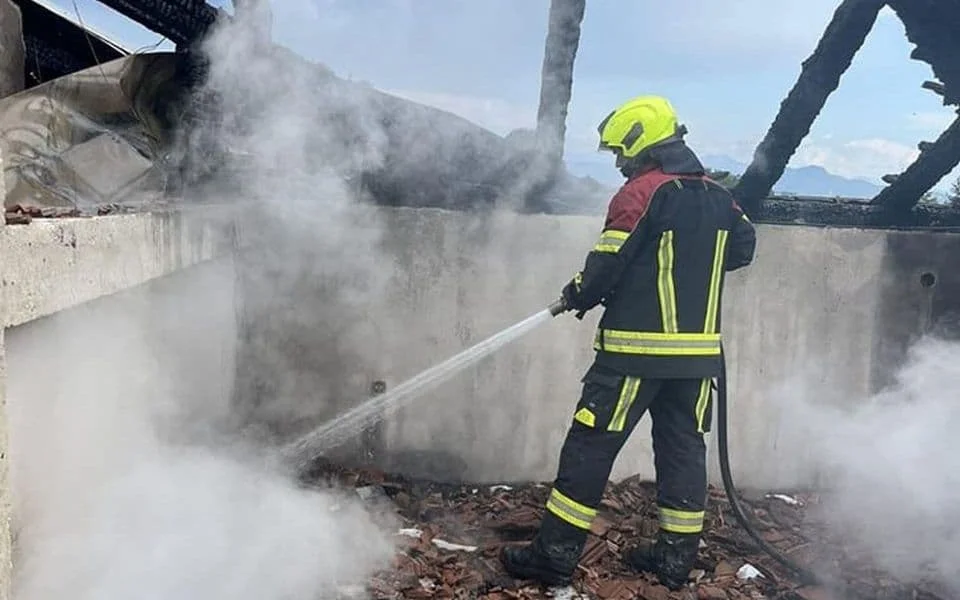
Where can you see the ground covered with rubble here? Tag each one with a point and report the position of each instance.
(451, 536)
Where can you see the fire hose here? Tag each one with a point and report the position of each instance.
(805, 576)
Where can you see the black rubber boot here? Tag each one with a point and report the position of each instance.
(670, 558)
(551, 558)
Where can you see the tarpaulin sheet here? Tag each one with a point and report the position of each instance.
(95, 137)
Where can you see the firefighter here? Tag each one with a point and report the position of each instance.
(658, 268)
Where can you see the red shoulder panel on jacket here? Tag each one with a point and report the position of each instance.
(736, 206)
(632, 201)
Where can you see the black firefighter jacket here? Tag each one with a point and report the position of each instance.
(659, 268)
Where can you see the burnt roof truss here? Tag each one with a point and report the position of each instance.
(931, 26)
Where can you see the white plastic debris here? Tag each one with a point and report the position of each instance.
(748, 572)
(369, 492)
(444, 545)
(565, 593)
(411, 533)
(428, 584)
(696, 575)
(500, 488)
(788, 499)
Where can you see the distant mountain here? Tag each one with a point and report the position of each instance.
(597, 166)
(801, 181)
(804, 181)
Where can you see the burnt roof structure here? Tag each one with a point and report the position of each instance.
(931, 26)
(492, 163)
(55, 46)
(180, 21)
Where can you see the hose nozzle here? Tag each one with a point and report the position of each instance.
(558, 307)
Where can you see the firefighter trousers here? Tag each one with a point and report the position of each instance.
(610, 407)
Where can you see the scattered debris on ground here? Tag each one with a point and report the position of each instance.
(23, 215)
(452, 534)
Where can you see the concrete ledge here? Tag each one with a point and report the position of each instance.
(51, 265)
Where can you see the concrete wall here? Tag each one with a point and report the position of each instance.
(825, 310)
(829, 311)
(53, 264)
(811, 313)
(921, 292)
(90, 389)
(80, 270)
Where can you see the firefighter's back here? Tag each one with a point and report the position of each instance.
(663, 318)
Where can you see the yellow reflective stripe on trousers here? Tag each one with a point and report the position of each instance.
(680, 521)
(713, 299)
(657, 344)
(586, 417)
(570, 510)
(665, 285)
(702, 401)
(628, 394)
(611, 240)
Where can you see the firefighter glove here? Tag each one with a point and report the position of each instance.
(572, 299)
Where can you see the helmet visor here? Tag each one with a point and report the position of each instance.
(603, 145)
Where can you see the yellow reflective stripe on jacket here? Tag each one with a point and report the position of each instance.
(713, 298)
(628, 394)
(703, 399)
(570, 510)
(657, 344)
(680, 521)
(665, 285)
(611, 240)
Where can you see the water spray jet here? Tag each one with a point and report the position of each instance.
(302, 452)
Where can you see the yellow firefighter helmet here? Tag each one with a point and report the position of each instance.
(639, 124)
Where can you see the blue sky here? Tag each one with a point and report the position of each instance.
(725, 65)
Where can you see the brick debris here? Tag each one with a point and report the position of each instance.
(451, 536)
(21, 214)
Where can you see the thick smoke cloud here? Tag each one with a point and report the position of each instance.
(124, 486)
(889, 467)
(131, 481)
(292, 142)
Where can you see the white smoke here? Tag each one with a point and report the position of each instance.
(114, 499)
(889, 465)
(129, 482)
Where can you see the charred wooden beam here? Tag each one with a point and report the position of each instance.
(820, 76)
(12, 45)
(180, 21)
(563, 41)
(931, 25)
(560, 52)
(55, 46)
(823, 212)
(936, 87)
(933, 164)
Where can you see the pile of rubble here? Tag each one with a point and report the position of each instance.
(452, 534)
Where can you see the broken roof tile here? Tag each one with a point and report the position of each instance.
(491, 517)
